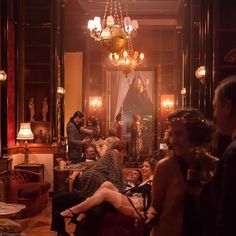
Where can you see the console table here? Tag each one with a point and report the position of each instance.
(62, 180)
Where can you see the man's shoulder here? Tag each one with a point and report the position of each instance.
(230, 152)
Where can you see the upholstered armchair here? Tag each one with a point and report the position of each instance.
(26, 187)
(115, 223)
(110, 222)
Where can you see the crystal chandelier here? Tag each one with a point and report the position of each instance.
(137, 84)
(127, 59)
(114, 29)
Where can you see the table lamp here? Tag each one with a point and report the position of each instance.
(25, 134)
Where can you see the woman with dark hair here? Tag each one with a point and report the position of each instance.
(178, 178)
(118, 126)
(92, 124)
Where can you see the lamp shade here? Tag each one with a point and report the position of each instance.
(25, 132)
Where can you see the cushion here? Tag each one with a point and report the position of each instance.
(9, 226)
(29, 190)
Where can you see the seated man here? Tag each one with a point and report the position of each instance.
(90, 152)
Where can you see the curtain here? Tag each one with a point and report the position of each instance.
(148, 75)
(120, 86)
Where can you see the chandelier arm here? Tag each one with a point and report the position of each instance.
(121, 15)
(105, 15)
(111, 7)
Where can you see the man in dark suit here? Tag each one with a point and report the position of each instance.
(223, 184)
(76, 137)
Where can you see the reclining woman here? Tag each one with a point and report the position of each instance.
(131, 204)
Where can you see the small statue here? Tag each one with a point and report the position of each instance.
(45, 109)
(31, 108)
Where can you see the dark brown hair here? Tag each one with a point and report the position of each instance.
(152, 162)
(121, 145)
(199, 130)
(226, 89)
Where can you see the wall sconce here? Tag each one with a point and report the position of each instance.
(25, 133)
(183, 91)
(60, 91)
(200, 73)
(3, 76)
(95, 103)
(167, 102)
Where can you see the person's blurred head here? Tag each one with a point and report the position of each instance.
(135, 177)
(92, 121)
(89, 151)
(136, 117)
(78, 118)
(122, 147)
(148, 167)
(111, 132)
(224, 105)
(119, 117)
(188, 129)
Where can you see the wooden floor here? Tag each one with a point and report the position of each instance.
(39, 225)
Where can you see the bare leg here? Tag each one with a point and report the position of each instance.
(116, 199)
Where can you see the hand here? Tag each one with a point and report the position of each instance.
(151, 219)
(93, 141)
(85, 140)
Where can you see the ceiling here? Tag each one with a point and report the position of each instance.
(139, 8)
(151, 14)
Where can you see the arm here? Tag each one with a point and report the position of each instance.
(227, 199)
(72, 135)
(159, 185)
(86, 131)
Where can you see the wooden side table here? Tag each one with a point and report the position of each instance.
(34, 167)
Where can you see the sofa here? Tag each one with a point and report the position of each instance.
(26, 187)
(107, 221)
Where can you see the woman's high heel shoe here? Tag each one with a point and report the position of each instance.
(74, 218)
(67, 216)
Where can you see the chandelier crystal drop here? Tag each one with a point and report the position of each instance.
(114, 29)
(127, 59)
(138, 84)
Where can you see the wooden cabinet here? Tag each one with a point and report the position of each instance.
(38, 63)
(227, 38)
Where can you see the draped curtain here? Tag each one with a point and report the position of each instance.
(120, 86)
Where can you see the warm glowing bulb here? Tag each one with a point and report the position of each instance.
(90, 25)
(116, 56)
(110, 20)
(125, 53)
(141, 56)
(200, 72)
